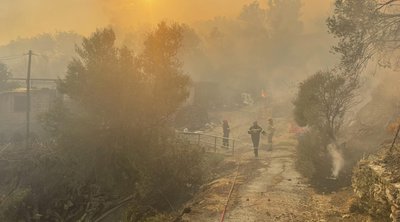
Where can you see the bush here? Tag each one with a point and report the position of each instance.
(49, 184)
(311, 159)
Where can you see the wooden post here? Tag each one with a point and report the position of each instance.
(28, 100)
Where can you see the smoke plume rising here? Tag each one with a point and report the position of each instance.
(337, 159)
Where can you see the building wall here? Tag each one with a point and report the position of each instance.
(13, 110)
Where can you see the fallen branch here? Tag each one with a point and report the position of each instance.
(110, 211)
(166, 200)
(394, 139)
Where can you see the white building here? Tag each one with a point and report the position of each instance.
(13, 110)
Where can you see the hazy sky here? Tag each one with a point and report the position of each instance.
(23, 18)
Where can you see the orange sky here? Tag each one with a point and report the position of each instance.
(22, 18)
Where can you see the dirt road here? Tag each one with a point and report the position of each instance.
(268, 187)
(276, 192)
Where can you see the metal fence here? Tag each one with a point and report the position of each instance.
(211, 141)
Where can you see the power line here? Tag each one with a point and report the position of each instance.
(33, 79)
(11, 56)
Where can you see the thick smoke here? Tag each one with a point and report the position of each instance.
(263, 47)
(26, 18)
(52, 54)
(337, 159)
(248, 46)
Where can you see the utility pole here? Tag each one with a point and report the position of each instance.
(28, 99)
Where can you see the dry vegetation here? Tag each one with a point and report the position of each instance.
(110, 146)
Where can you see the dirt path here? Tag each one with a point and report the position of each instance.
(277, 192)
(268, 188)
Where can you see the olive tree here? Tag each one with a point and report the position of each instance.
(322, 102)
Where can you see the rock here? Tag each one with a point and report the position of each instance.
(376, 194)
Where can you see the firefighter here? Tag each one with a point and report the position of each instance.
(270, 133)
(226, 130)
(255, 131)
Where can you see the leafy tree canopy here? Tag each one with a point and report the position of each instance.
(322, 102)
(112, 138)
(118, 87)
(365, 29)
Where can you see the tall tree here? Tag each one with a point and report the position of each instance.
(162, 69)
(104, 80)
(114, 137)
(122, 100)
(283, 18)
(366, 29)
(253, 14)
(322, 101)
(321, 104)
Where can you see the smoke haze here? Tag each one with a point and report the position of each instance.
(26, 18)
(245, 46)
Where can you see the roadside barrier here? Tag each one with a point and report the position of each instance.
(209, 140)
